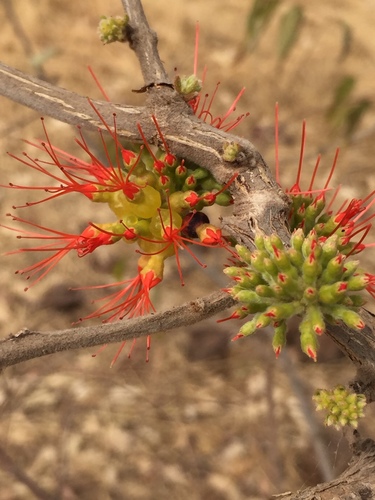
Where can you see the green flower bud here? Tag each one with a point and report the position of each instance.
(279, 337)
(283, 310)
(329, 249)
(312, 213)
(357, 283)
(199, 173)
(332, 294)
(259, 241)
(354, 301)
(297, 240)
(309, 341)
(224, 199)
(244, 254)
(233, 271)
(311, 269)
(265, 291)
(350, 268)
(259, 321)
(349, 317)
(270, 267)
(316, 318)
(230, 151)
(333, 270)
(112, 29)
(296, 258)
(248, 296)
(188, 86)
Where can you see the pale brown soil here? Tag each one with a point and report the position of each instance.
(205, 418)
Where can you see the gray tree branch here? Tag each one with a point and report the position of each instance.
(33, 344)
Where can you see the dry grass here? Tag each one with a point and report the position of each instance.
(205, 419)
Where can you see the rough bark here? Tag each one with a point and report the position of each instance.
(357, 482)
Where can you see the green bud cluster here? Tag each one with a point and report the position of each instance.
(231, 151)
(343, 407)
(112, 29)
(188, 86)
(311, 279)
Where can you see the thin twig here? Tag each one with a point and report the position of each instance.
(33, 344)
(144, 42)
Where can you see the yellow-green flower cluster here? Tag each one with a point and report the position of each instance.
(112, 29)
(312, 279)
(343, 407)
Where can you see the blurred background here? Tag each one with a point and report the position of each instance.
(205, 418)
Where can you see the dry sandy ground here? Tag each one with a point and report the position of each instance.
(205, 419)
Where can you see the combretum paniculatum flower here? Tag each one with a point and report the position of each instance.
(315, 277)
(157, 203)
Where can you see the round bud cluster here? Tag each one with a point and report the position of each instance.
(112, 29)
(343, 407)
(311, 279)
(188, 86)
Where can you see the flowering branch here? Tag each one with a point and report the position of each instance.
(259, 203)
(259, 207)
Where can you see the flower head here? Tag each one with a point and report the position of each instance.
(152, 198)
(314, 278)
